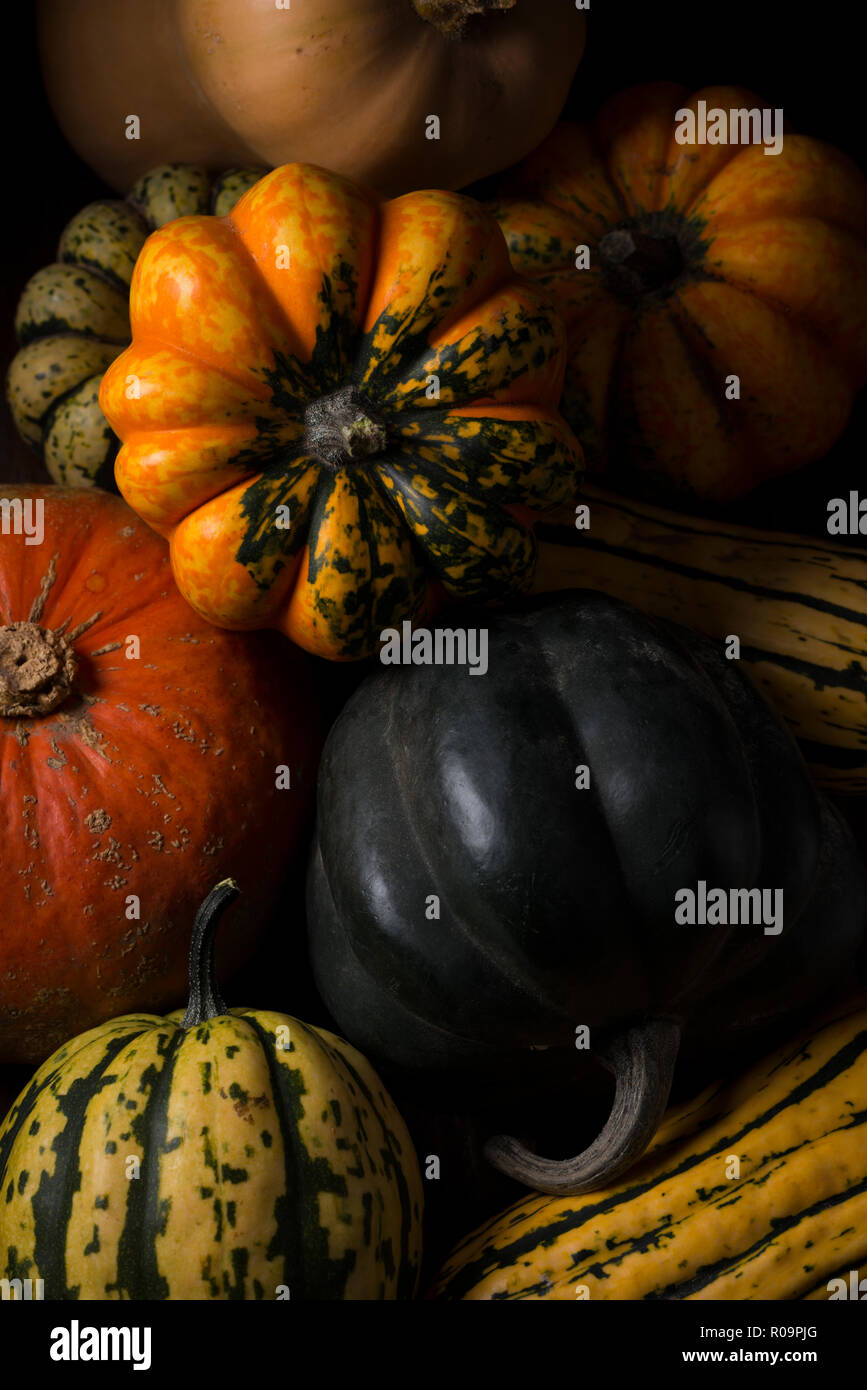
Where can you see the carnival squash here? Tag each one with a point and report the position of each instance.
(350, 84)
(73, 316)
(608, 831)
(337, 408)
(210, 1154)
(717, 313)
(797, 605)
(140, 753)
(756, 1189)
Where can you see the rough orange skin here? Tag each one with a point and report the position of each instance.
(775, 292)
(156, 778)
(309, 287)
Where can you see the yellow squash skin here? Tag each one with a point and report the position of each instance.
(759, 271)
(272, 1164)
(310, 288)
(798, 606)
(678, 1227)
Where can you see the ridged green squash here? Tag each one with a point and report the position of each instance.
(687, 1222)
(209, 1155)
(73, 316)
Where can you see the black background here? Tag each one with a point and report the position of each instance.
(805, 58)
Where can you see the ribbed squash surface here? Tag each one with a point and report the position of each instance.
(262, 1168)
(72, 319)
(336, 408)
(705, 262)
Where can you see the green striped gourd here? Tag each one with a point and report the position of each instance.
(209, 1155)
(73, 316)
(687, 1222)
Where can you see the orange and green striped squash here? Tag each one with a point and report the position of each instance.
(756, 1189)
(702, 262)
(212, 1154)
(338, 409)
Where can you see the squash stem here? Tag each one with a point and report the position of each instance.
(37, 668)
(343, 429)
(450, 16)
(642, 1060)
(635, 263)
(205, 1002)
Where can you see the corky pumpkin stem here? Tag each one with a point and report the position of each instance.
(37, 668)
(450, 16)
(642, 1061)
(205, 1001)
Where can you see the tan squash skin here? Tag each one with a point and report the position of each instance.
(347, 84)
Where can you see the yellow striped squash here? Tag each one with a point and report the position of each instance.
(209, 1155)
(757, 1189)
(798, 606)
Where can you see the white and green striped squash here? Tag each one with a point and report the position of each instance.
(211, 1154)
(72, 319)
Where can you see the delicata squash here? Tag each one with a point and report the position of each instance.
(756, 1189)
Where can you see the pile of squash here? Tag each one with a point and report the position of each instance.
(309, 410)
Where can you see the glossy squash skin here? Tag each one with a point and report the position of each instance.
(271, 1164)
(349, 84)
(72, 318)
(797, 605)
(140, 750)
(497, 863)
(336, 409)
(706, 262)
(686, 1223)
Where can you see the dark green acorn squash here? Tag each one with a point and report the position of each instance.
(470, 907)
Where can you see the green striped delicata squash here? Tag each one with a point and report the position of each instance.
(73, 316)
(757, 1189)
(211, 1154)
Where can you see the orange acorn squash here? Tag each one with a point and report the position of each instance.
(335, 408)
(73, 316)
(351, 84)
(703, 263)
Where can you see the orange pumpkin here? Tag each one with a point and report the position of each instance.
(707, 262)
(140, 751)
(351, 84)
(337, 409)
